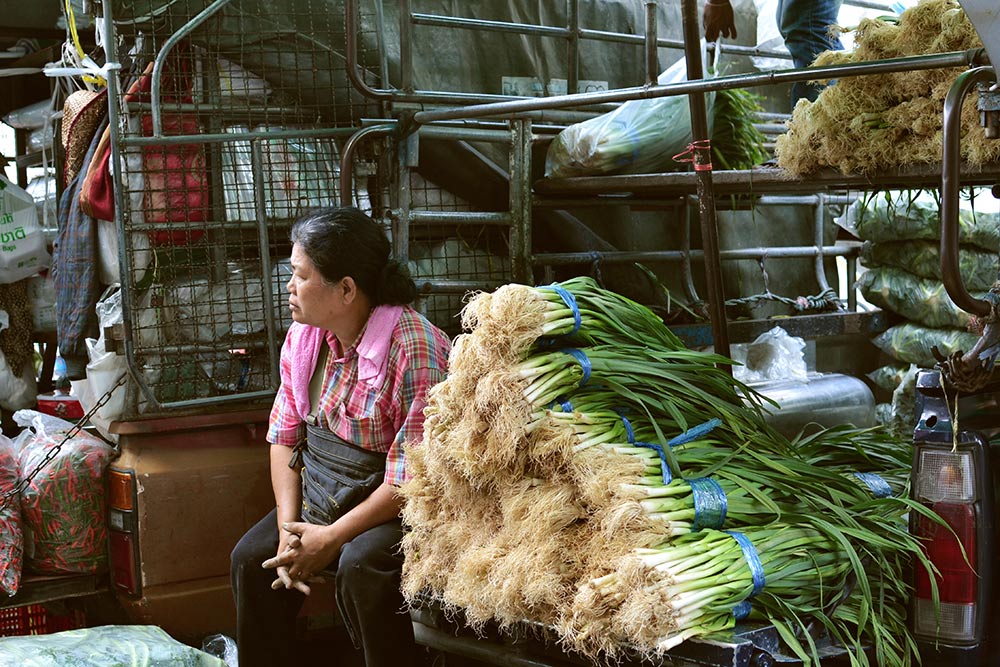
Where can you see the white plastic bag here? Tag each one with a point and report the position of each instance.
(22, 243)
(639, 136)
(774, 355)
(769, 37)
(18, 389)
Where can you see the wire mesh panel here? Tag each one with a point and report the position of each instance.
(463, 253)
(232, 119)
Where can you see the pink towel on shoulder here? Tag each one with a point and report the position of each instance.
(372, 351)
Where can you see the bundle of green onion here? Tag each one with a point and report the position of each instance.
(573, 416)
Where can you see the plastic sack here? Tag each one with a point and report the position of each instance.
(639, 136)
(22, 242)
(119, 645)
(32, 116)
(978, 268)
(898, 414)
(11, 537)
(299, 174)
(902, 218)
(888, 377)
(918, 299)
(18, 389)
(774, 355)
(223, 647)
(62, 508)
(912, 343)
(769, 37)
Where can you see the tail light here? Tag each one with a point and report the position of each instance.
(123, 531)
(955, 483)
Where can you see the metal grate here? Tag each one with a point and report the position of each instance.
(228, 130)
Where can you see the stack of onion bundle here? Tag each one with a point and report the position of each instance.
(545, 469)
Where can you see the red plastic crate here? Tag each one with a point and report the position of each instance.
(35, 619)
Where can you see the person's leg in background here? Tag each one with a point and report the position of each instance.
(369, 597)
(265, 618)
(805, 24)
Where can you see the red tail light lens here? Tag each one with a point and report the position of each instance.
(954, 555)
(123, 531)
(945, 481)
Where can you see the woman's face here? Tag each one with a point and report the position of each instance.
(311, 299)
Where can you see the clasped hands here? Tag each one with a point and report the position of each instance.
(304, 550)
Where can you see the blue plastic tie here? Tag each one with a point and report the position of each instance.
(742, 610)
(570, 302)
(665, 472)
(709, 503)
(695, 432)
(753, 560)
(582, 358)
(629, 433)
(562, 403)
(878, 486)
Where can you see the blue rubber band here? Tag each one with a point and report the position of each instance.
(629, 433)
(878, 486)
(753, 560)
(562, 403)
(665, 472)
(695, 432)
(709, 503)
(582, 358)
(570, 302)
(742, 610)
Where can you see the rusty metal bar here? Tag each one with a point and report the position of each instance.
(347, 157)
(701, 155)
(950, 182)
(511, 107)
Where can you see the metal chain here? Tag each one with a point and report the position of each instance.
(24, 482)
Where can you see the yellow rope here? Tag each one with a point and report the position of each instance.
(71, 22)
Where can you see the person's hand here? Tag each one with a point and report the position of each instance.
(304, 550)
(718, 19)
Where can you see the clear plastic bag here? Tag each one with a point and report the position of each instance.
(223, 647)
(917, 299)
(904, 218)
(774, 355)
(119, 645)
(63, 505)
(639, 136)
(912, 343)
(978, 268)
(11, 535)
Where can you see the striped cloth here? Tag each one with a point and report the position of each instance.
(380, 418)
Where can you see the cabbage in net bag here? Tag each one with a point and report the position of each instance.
(978, 268)
(62, 508)
(11, 538)
(912, 343)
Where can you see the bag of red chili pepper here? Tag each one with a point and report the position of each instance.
(11, 539)
(62, 508)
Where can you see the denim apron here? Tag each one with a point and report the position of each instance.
(336, 475)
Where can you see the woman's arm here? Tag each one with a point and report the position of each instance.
(318, 546)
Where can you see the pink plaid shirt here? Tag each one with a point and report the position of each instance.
(382, 418)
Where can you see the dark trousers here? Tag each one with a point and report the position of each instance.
(368, 596)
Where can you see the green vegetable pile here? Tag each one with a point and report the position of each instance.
(582, 469)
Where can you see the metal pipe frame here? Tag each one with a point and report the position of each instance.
(572, 34)
(513, 107)
(118, 192)
(701, 156)
(264, 248)
(520, 201)
(950, 183)
(626, 256)
(347, 157)
(158, 62)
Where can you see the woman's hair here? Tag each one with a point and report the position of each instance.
(345, 242)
